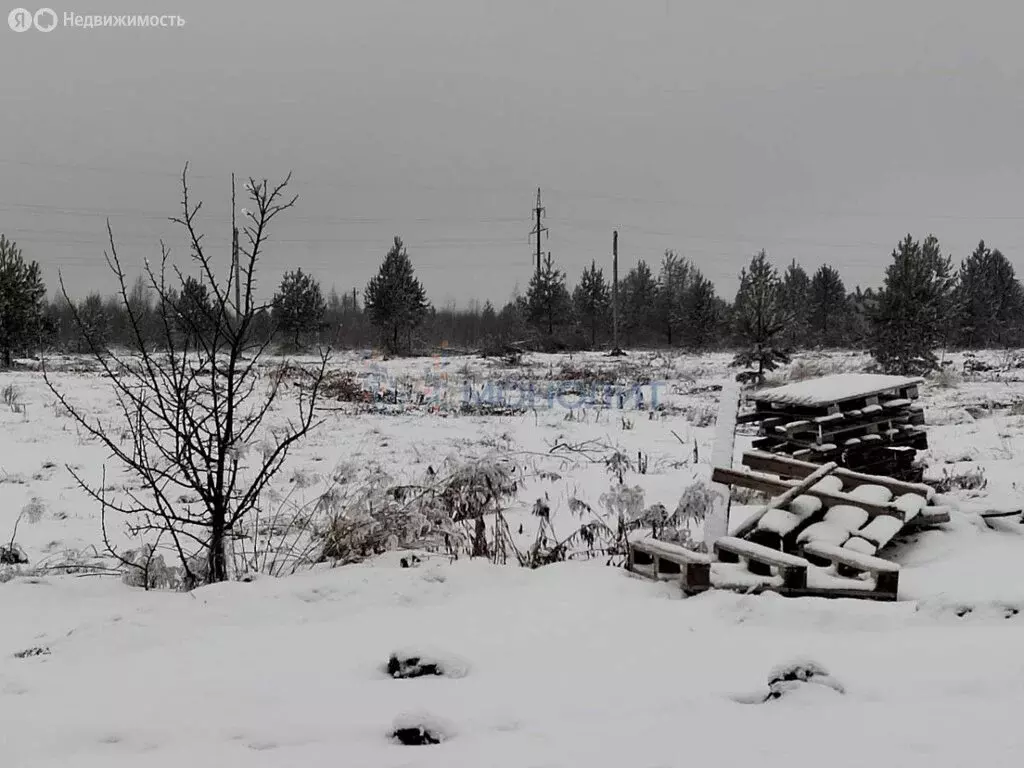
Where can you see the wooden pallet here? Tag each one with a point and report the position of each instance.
(864, 422)
(660, 560)
(801, 561)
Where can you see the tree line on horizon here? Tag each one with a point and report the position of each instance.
(924, 303)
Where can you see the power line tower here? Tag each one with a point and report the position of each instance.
(539, 213)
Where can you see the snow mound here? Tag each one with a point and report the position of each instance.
(799, 679)
(416, 729)
(409, 663)
(830, 484)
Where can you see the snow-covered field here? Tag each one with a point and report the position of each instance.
(573, 664)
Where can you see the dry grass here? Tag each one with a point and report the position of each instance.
(947, 377)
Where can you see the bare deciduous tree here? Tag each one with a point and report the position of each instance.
(192, 407)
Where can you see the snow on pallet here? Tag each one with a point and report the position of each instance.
(819, 535)
(864, 422)
(840, 388)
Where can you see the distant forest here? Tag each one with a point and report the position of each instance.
(923, 302)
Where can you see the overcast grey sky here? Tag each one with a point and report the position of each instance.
(821, 130)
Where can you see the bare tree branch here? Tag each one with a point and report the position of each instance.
(188, 401)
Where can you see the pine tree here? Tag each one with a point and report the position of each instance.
(93, 324)
(488, 320)
(395, 299)
(796, 286)
(547, 298)
(298, 305)
(513, 320)
(829, 311)
(22, 308)
(912, 312)
(990, 300)
(673, 284)
(702, 312)
(760, 315)
(862, 305)
(193, 310)
(638, 296)
(592, 301)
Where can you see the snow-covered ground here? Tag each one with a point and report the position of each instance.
(573, 664)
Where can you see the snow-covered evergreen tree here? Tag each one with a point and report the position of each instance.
(592, 301)
(760, 315)
(912, 314)
(828, 308)
(796, 287)
(989, 299)
(547, 298)
(395, 299)
(673, 284)
(298, 307)
(638, 295)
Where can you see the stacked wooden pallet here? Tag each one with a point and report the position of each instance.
(823, 533)
(865, 422)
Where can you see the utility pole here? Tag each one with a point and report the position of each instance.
(615, 293)
(238, 281)
(538, 228)
(234, 252)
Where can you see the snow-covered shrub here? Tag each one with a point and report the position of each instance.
(12, 397)
(343, 386)
(473, 488)
(692, 510)
(34, 510)
(369, 515)
(618, 464)
(701, 415)
(946, 377)
(145, 567)
(972, 479)
(624, 502)
(11, 553)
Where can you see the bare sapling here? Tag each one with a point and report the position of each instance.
(192, 423)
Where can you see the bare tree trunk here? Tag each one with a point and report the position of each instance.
(217, 556)
(480, 538)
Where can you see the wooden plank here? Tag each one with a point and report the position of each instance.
(669, 551)
(930, 516)
(775, 486)
(785, 466)
(648, 557)
(751, 551)
(849, 563)
(760, 560)
(717, 522)
(829, 432)
(797, 490)
(857, 560)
